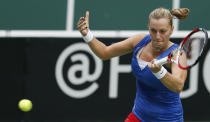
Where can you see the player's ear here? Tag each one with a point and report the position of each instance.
(172, 29)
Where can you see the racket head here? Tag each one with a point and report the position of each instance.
(192, 47)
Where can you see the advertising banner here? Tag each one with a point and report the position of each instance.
(66, 82)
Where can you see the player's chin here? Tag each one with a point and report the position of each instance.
(157, 41)
(158, 44)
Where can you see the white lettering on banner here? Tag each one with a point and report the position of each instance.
(206, 74)
(193, 77)
(83, 67)
(193, 83)
(115, 69)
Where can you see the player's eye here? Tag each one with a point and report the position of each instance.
(162, 31)
(153, 30)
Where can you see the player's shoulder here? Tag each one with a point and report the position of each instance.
(138, 38)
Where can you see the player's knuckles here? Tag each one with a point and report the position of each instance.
(79, 23)
(81, 26)
(82, 18)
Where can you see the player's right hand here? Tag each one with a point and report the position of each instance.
(154, 67)
(83, 24)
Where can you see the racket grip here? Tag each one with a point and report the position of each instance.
(161, 61)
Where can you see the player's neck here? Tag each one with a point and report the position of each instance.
(157, 51)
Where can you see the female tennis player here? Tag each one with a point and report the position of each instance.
(158, 87)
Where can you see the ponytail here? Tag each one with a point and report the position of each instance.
(180, 13)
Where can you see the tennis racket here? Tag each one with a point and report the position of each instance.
(190, 50)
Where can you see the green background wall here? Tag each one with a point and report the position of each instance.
(104, 15)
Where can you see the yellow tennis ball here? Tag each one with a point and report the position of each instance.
(25, 105)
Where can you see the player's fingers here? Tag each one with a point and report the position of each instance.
(81, 24)
(82, 28)
(153, 65)
(81, 20)
(150, 65)
(156, 65)
(87, 17)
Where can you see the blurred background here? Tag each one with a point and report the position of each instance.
(44, 59)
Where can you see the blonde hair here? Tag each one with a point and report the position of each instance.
(179, 13)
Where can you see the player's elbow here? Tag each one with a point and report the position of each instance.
(179, 90)
(105, 55)
(179, 87)
(180, 82)
(104, 58)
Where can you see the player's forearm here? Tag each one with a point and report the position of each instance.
(99, 49)
(173, 83)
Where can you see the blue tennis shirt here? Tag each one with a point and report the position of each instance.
(154, 102)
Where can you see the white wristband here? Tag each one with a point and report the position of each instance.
(160, 74)
(89, 37)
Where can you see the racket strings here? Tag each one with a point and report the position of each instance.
(192, 48)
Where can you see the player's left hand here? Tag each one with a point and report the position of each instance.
(154, 67)
(83, 24)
